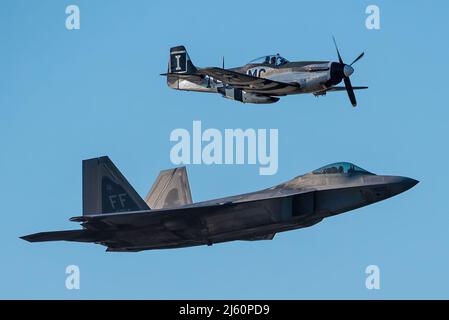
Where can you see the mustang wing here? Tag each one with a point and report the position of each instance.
(331, 89)
(247, 82)
(342, 89)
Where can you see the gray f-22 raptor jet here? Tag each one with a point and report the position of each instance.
(115, 216)
(262, 80)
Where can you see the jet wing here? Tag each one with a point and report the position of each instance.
(186, 213)
(247, 82)
(268, 236)
(174, 224)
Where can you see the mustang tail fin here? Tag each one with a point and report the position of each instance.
(106, 190)
(180, 61)
(171, 189)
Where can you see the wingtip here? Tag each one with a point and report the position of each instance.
(78, 219)
(26, 238)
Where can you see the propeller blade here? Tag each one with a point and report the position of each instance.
(358, 58)
(350, 91)
(338, 52)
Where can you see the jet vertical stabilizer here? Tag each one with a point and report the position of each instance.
(171, 189)
(106, 190)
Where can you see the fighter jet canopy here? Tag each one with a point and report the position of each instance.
(274, 60)
(341, 167)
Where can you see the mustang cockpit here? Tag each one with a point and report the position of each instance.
(273, 60)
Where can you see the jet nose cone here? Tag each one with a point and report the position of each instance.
(409, 183)
(347, 70)
(402, 184)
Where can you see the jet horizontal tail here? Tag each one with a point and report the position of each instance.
(67, 235)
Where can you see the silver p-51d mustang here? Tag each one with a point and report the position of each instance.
(262, 80)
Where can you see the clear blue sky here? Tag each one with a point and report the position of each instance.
(70, 95)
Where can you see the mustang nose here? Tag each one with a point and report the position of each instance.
(347, 70)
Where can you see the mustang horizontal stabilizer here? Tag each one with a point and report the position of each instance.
(106, 190)
(184, 76)
(171, 189)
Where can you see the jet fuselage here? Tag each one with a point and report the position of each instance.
(256, 216)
